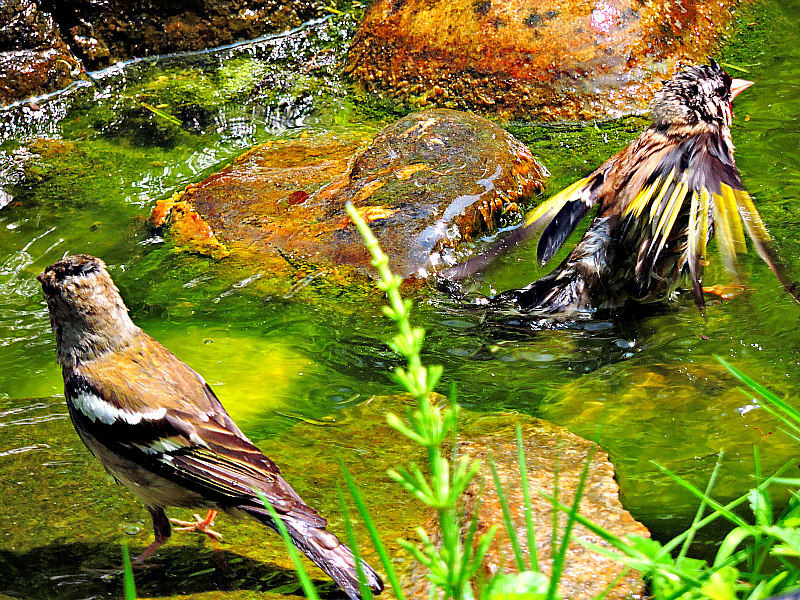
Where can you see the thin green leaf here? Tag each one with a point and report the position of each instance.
(386, 560)
(526, 499)
(510, 529)
(305, 581)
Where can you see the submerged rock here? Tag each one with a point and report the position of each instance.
(551, 453)
(33, 58)
(540, 59)
(428, 185)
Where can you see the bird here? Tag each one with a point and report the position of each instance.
(158, 428)
(659, 203)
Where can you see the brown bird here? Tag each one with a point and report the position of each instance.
(159, 430)
(659, 202)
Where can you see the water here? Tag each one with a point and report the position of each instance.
(296, 375)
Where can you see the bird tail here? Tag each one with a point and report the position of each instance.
(562, 291)
(571, 286)
(324, 549)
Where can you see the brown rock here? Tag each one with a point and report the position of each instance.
(566, 59)
(33, 58)
(549, 449)
(427, 184)
(105, 32)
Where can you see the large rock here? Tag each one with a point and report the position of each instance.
(550, 452)
(33, 58)
(428, 185)
(566, 59)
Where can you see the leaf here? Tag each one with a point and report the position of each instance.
(720, 585)
(528, 585)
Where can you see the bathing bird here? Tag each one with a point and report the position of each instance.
(158, 428)
(659, 203)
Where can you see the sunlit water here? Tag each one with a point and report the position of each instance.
(645, 384)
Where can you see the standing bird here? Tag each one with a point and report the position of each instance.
(660, 201)
(159, 430)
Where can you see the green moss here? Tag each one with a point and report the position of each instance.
(755, 30)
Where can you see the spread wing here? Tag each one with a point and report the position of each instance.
(146, 406)
(558, 216)
(696, 184)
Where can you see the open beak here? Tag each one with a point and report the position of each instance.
(738, 86)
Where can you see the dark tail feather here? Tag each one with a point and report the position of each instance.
(325, 550)
(563, 290)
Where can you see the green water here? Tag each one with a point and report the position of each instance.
(296, 375)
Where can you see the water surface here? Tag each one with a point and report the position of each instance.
(645, 385)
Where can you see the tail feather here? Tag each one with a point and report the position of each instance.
(325, 550)
(560, 292)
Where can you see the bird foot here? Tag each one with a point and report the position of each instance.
(724, 292)
(200, 525)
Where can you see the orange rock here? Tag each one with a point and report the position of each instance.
(543, 59)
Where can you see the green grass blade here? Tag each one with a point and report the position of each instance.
(700, 509)
(366, 592)
(383, 554)
(526, 498)
(731, 516)
(512, 533)
(128, 585)
(769, 396)
(305, 580)
(559, 558)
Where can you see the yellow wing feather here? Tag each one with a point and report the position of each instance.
(548, 209)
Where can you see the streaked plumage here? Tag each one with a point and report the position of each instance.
(157, 427)
(660, 201)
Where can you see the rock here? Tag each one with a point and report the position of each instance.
(33, 58)
(549, 449)
(103, 33)
(428, 185)
(643, 401)
(533, 59)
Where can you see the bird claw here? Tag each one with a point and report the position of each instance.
(200, 525)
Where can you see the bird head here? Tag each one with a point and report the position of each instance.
(87, 313)
(699, 97)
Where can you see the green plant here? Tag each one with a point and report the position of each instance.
(754, 561)
(452, 563)
(128, 585)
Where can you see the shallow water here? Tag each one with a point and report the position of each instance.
(645, 385)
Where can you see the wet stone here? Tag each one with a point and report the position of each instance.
(551, 452)
(535, 59)
(428, 185)
(34, 60)
(103, 33)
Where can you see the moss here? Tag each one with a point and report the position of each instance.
(756, 28)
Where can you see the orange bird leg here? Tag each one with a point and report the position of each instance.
(200, 525)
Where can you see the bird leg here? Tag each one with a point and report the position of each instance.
(162, 530)
(200, 525)
(724, 292)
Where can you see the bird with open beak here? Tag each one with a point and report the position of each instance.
(659, 203)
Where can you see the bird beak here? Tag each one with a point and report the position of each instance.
(738, 86)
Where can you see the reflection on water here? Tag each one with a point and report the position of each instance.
(80, 172)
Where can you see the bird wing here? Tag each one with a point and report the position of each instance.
(558, 216)
(696, 178)
(144, 404)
